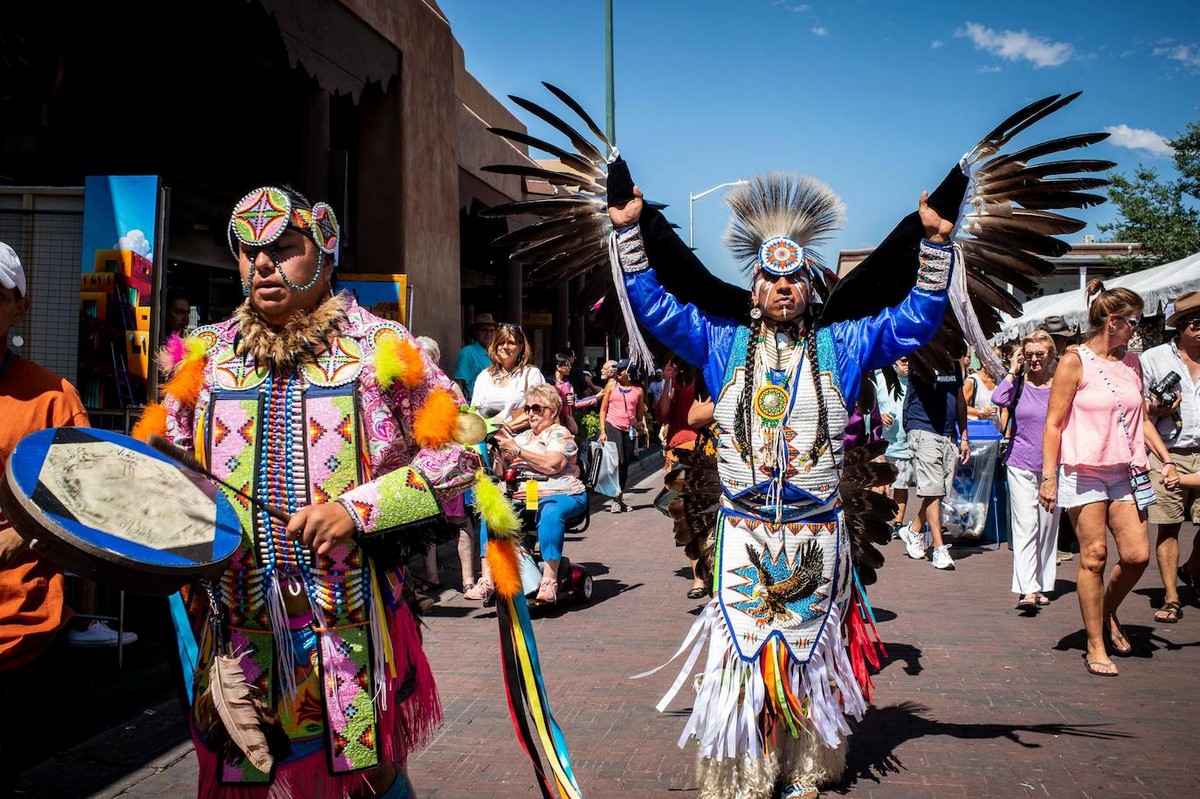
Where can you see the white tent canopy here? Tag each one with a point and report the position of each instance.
(1158, 287)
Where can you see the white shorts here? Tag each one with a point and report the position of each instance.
(905, 477)
(1082, 485)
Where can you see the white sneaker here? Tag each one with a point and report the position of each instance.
(914, 542)
(941, 557)
(99, 634)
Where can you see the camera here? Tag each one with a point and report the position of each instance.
(1165, 389)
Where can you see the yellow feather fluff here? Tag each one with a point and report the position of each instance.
(437, 420)
(398, 360)
(495, 508)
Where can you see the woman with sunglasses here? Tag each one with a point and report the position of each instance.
(547, 452)
(1093, 455)
(1025, 392)
(500, 389)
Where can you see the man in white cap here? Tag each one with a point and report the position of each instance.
(32, 607)
(1171, 375)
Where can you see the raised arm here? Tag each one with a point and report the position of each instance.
(681, 326)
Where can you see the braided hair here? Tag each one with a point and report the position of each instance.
(822, 437)
(742, 419)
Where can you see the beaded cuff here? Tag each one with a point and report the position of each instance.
(934, 272)
(631, 250)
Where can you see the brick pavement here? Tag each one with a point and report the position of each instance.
(976, 699)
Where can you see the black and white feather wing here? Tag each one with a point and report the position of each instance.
(1004, 206)
(568, 235)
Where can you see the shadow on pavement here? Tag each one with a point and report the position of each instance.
(909, 654)
(882, 730)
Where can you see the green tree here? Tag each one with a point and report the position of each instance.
(1164, 216)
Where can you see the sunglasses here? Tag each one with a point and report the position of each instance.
(1133, 321)
(1193, 323)
(535, 408)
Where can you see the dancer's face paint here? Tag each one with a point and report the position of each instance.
(781, 298)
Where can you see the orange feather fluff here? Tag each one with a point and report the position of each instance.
(506, 574)
(437, 420)
(187, 381)
(152, 423)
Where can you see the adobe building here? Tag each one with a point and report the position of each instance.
(363, 103)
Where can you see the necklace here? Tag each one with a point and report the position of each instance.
(10, 358)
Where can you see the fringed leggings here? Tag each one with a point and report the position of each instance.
(803, 760)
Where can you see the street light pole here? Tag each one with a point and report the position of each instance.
(692, 199)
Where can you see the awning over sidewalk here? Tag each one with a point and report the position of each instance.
(1158, 287)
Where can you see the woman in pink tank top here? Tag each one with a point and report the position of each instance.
(1095, 433)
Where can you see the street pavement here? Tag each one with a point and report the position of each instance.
(975, 698)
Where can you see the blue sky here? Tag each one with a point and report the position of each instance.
(878, 99)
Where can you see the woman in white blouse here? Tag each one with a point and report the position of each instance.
(500, 389)
(500, 393)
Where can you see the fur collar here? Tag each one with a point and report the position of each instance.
(298, 342)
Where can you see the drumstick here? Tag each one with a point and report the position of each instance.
(188, 461)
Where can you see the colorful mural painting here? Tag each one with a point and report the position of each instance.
(117, 286)
(386, 296)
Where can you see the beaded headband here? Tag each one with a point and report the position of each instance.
(781, 256)
(264, 214)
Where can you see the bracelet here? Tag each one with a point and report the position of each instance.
(1169, 463)
(1043, 478)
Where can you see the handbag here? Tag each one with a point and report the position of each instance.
(608, 481)
(1139, 479)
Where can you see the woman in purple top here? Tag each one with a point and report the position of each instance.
(1034, 529)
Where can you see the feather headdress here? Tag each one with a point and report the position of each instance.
(777, 218)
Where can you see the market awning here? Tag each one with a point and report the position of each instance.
(1158, 287)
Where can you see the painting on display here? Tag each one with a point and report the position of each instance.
(117, 285)
(386, 296)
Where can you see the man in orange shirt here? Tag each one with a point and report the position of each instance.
(32, 610)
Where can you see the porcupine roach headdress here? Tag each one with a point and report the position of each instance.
(777, 219)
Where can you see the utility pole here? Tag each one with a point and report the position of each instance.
(610, 126)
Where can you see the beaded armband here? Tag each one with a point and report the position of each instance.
(934, 272)
(631, 250)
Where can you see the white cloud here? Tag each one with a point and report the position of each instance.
(990, 69)
(1185, 54)
(1017, 45)
(936, 44)
(1139, 139)
(136, 241)
(820, 31)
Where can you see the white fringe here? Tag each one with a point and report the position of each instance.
(730, 694)
(639, 351)
(285, 655)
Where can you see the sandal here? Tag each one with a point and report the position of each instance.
(697, 592)
(1169, 613)
(1094, 666)
(1042, 599)
(547, 591)
(1028, 602)
(483, 589)
(1117, 649)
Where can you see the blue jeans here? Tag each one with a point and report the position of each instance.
(553, 513)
